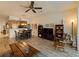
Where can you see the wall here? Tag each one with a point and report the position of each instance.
(68, 17)
(56, 18)
(3, 20)
(78, 29)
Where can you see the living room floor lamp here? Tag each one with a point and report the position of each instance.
(72, 28)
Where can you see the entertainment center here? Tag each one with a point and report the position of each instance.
(46, 33)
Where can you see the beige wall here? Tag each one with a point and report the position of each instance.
(3, 20)
(67, 16)
(54, 18)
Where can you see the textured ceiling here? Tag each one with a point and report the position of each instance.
(14, 8)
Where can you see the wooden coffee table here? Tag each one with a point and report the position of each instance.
(19, 51)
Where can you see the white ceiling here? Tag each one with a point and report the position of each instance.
(14, 8)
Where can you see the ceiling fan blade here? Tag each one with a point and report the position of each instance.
(27, 10)
(32, 4)
(33, 10)
(37, 7)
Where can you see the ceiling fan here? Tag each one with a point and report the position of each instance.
(31, 7)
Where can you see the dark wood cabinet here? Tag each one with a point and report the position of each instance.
(59, 31)
(46, 33)
(40, 30)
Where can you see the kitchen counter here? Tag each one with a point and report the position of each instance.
(12, 32)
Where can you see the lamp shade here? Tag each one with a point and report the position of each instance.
(72, 20)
